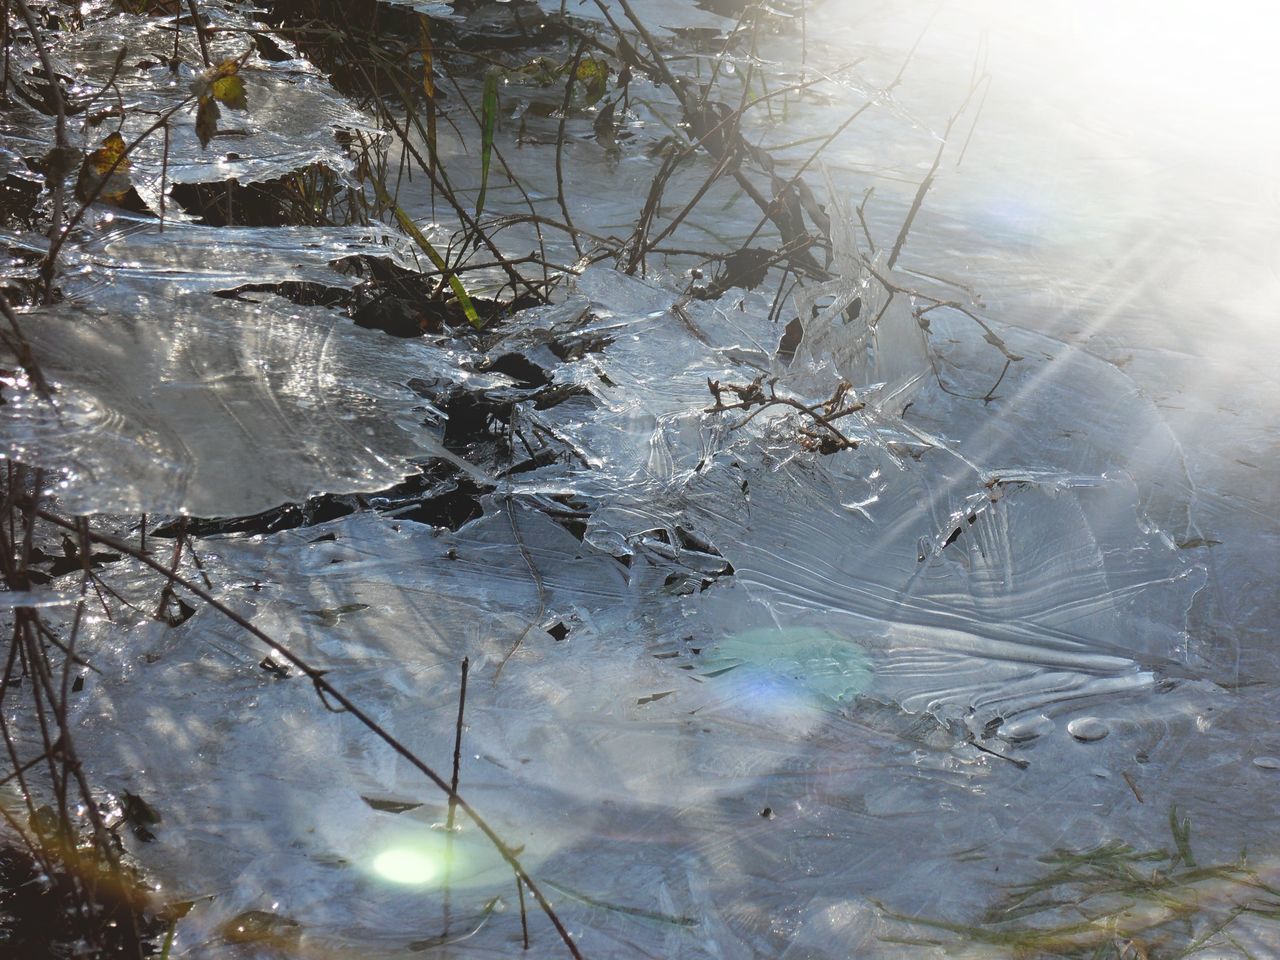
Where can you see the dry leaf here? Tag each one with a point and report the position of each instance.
(221, 84)
(207, 120)
(593, 74)
(105, 172)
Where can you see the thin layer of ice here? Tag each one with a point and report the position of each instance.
(714, 802)
(292, 116)
(985, 572)
(739, 696)
(734, 717)
(124, 254)
(216, 407)
(856, 322)
(173, 400)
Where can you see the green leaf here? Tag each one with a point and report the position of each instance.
(488, 121)
(222, 82)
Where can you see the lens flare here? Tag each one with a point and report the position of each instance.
(410, 865)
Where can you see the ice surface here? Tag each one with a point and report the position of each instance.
(981, 584)
(730, 696)
(174, 400)
(687, 800)
(217, 407)
(856, 321)
(124, 254)
(290, 123)
(712, 721)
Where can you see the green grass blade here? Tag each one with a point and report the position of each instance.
(168, 939)
(488, 123)
(420, 238)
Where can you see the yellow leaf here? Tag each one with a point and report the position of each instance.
(229, 90)
(223, 83)
(226, 68)
(110, 155)
(593, 74)
(105, 173)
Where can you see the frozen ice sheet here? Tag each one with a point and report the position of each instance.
(987, 560)
(760, 677)
(292, 116)
(216, 407)
(125, 254)
(708, 804)
(753, 702)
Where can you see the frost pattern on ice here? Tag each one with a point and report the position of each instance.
(985, 564)
(125, 254)
(736, 710)
(216, 407)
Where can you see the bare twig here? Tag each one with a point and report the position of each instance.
(48, 264)
(537, 582)
(918, 200)
(200, 32)
(560, 141)
(57, 175)
(457, 743)
(17, 342)
(453, 783)
(761, 394)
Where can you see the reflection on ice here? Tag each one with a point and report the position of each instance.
(830, 666)
(216, 407)
(408, 865)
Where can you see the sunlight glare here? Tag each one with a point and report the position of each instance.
(1178, 66)
(409, 864)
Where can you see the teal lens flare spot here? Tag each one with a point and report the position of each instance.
(799, 657)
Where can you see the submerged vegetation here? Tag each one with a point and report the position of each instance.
(209, 210)
(1118, 903)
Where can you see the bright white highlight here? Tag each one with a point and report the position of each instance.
(409, 866)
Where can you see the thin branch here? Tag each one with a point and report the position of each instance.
(918, 200)
(560, 140)
(200, 35)
(47, 265)
(55, 98)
